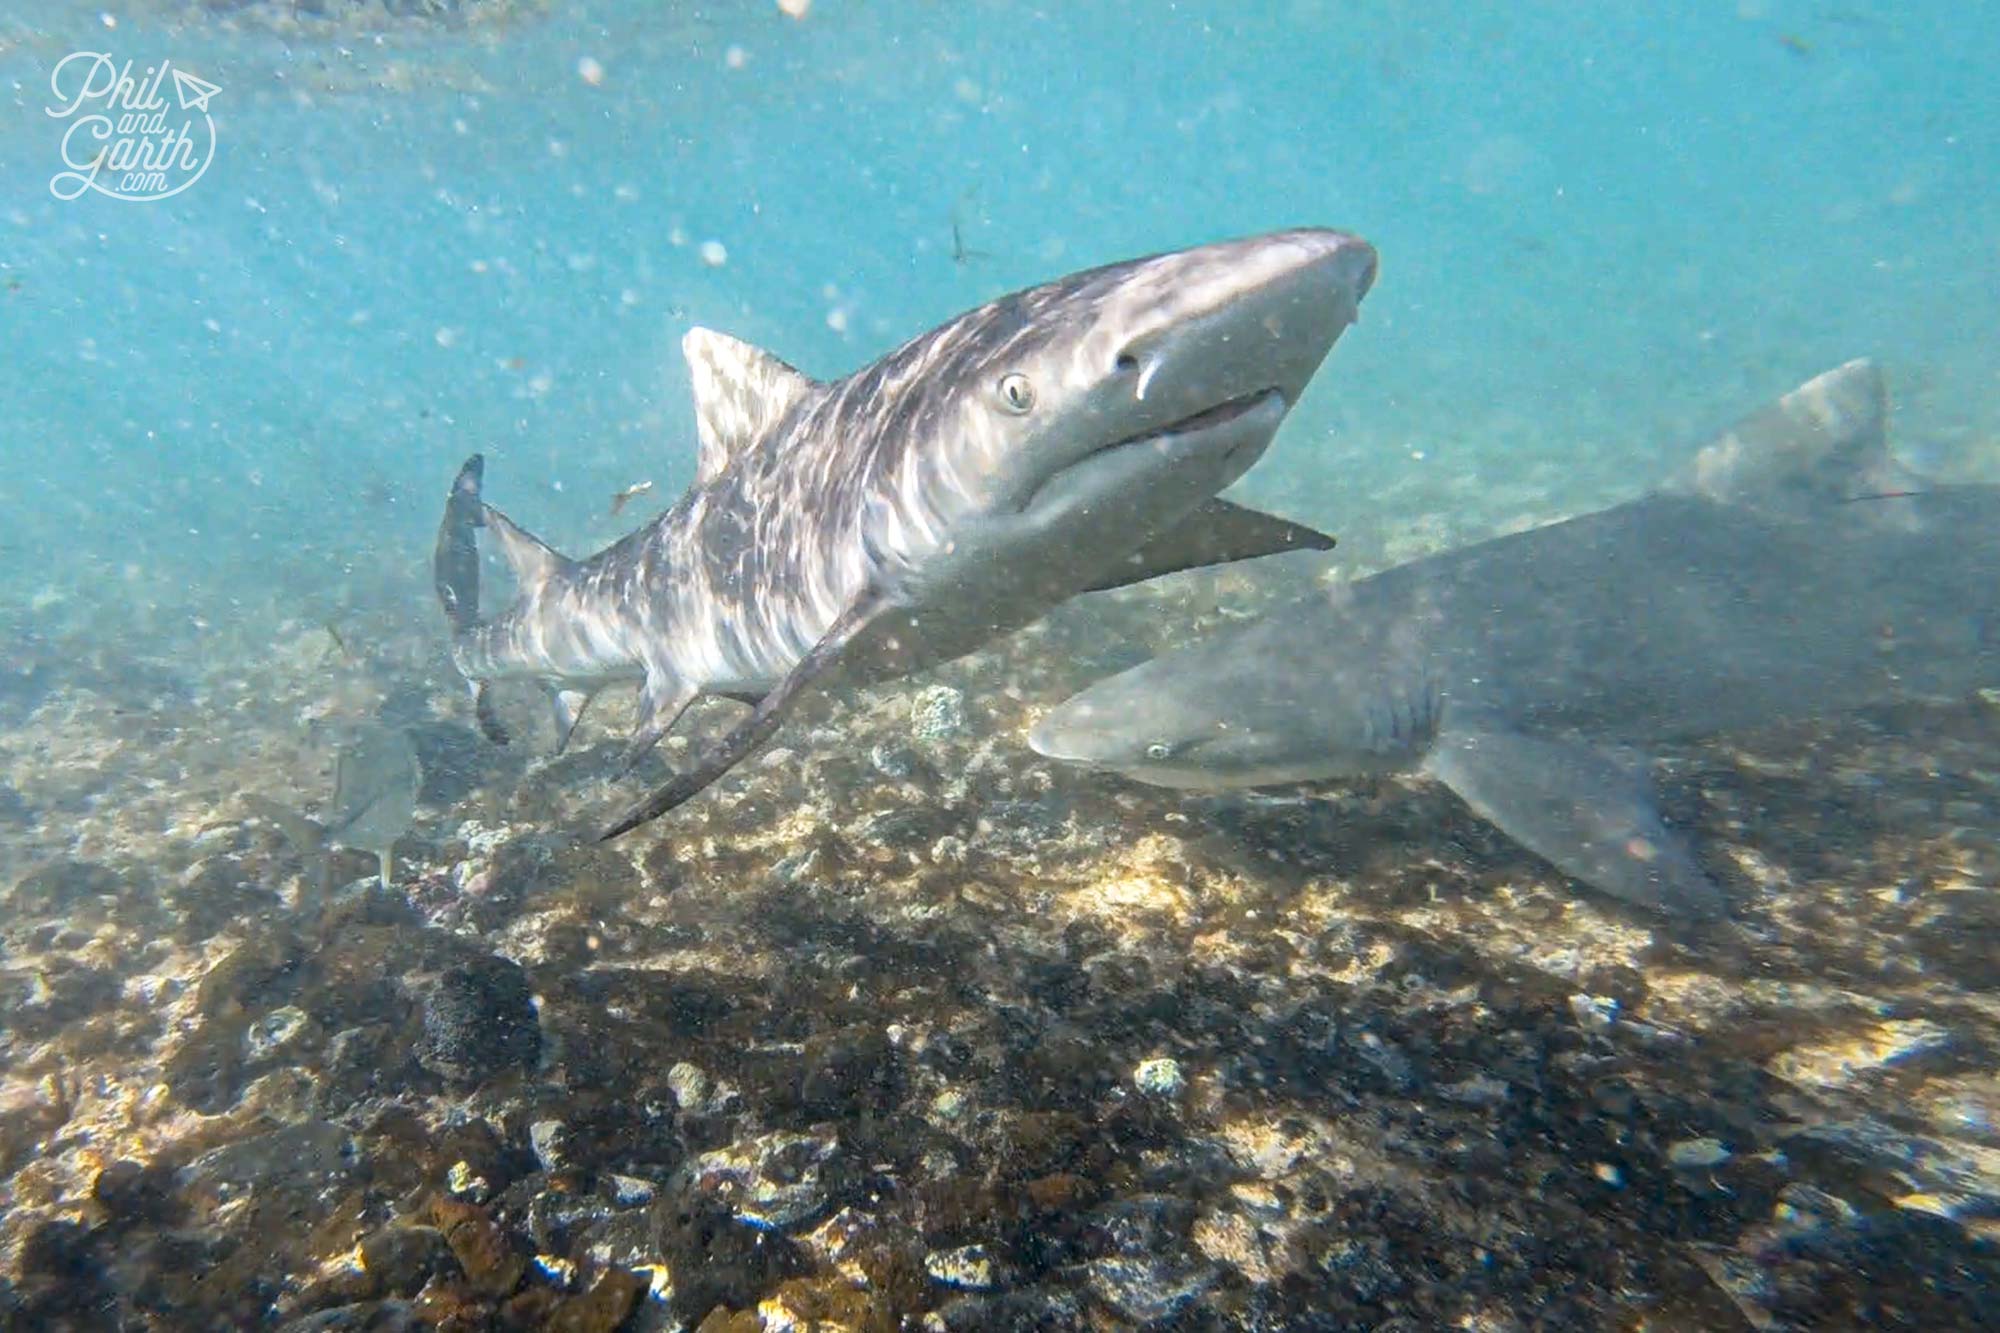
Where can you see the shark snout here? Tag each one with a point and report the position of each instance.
(1236, 319)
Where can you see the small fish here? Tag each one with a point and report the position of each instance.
(635, 489)
(1877, 495)
(338, 642)
(1797, 45)
(374, 802)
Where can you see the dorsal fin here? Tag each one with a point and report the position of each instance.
(1825, 441)
(740, 391)
(533, 560)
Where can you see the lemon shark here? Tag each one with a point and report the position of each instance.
(1069, 437)
(1792, 569)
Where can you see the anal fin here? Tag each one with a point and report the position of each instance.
(1216, 533)
(1583, 810)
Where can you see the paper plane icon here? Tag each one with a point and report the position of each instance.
(194, 93)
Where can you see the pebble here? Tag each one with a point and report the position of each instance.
(937, 712)
(546, 1138)
(968, 1268)
(1160, 1077)
(1697, 1154)
(771, 1181)
(1594, 1013)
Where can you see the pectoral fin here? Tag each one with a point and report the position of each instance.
(1214, 534)
(867, 630)
(1587, 812)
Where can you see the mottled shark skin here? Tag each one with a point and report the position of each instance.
(1070, 437)
(1793, 569)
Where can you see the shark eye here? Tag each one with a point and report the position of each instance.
(1159, 750)
(1017, 395)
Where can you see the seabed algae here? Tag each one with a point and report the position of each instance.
(900, 1027)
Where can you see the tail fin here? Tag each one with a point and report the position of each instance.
(455, 562)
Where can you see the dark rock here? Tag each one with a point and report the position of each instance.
(1146, 1272)
(849, 1073)
(716, 1260)
(359, 1063)
(61, 1270)
(401, 1259)
(57, 995)
(217, 894)
(479, 1022)
(63, 887)
(299, 1159)
(133, 1193)
(491, 1264)
(601, 1307)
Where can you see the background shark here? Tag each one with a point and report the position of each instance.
(1068, 437)
(1757, 586)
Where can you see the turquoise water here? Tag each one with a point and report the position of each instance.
(1602, 233)
(1043, 1049)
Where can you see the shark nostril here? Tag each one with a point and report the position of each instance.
(1126, 363)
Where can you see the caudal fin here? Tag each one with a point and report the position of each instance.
(455, 562)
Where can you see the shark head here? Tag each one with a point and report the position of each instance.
(1102, 407)
(1250, 708)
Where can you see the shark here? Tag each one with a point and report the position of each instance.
(1067, 438)
(1792, 568)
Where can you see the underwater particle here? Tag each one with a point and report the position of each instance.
(736, 57)
(1697, 1154)
(1159, 1077)
(937, 712)
(446, 336)
(273, 1032)
(1609, 1174)
(714, 254)
(794, 9)
(590, 72)
(969, 1268)
(479, 1021)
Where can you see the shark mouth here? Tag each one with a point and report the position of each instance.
(1163, 438)
(1220, 415)
(1209, 418)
